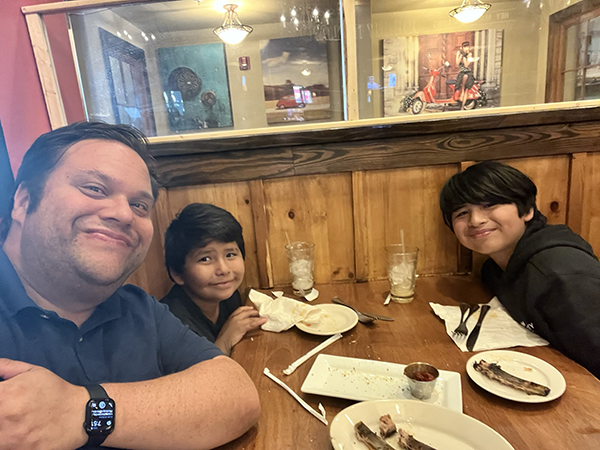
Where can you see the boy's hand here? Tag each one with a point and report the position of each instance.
(242, 320)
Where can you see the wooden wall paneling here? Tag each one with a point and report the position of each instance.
(551, 176)
(590, 223)
(152, 275)
(261, 229)
(225, 167)
(361, 231)
(315, 209)
(577, 186)
(235, 198)
(408, 199)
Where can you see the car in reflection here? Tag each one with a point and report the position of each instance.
(289, 101)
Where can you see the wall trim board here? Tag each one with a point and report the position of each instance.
(385, 152)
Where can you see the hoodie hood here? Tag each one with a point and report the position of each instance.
(540, 236)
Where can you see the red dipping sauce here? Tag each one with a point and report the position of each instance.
(423, 376)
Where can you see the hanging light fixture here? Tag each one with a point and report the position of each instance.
(470, 11)
(232, 31)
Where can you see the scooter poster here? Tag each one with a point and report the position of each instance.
(442, 72)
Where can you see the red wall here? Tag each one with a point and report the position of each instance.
(22, 107)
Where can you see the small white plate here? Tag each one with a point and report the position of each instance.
(438, 427)
(335, 319)
(363, 379)
(520, 365)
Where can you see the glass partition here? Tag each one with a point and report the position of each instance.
(413, 58)
(159, 66)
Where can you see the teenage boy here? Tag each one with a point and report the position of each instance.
(204, 255)
(546, 276)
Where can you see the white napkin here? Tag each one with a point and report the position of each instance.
(498, 330)
(282, 312)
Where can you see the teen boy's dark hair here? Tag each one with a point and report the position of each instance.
(490, 183)
(194, 227)
(48, 149)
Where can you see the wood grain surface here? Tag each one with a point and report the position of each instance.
(313, 209)
(384, 150)
(416, 335)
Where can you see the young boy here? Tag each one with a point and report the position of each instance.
(546, 276)
(204, 254)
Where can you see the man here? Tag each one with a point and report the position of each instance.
(79, 226)
(546, 276)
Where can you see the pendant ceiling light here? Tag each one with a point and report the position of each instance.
(232, 31)
(470, 10)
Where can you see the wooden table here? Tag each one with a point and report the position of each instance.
(570, 422)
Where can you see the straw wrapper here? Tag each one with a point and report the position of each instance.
(305, 405)
(293, 366)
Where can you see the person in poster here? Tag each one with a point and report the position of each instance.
(465, 79)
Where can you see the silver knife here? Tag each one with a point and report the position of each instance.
(475, 333)
(378, 317)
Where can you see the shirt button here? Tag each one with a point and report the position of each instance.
(44, 316)
(81, 339)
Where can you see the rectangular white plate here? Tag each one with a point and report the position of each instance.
(363, 379)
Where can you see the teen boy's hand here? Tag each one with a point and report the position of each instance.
(242, 320)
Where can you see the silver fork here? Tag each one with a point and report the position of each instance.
(466, 310)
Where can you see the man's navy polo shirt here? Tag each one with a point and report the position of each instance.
(129, 337)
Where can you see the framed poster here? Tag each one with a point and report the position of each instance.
(296, 79)
(442, 72)
(195, 86)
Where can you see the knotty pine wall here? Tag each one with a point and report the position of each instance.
(352, 216)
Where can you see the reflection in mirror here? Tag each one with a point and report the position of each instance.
(159, 66)
(413, 58)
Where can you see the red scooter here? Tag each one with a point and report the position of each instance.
(417, 102)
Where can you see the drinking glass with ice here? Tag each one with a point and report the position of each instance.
(301, 256)
(402, 271)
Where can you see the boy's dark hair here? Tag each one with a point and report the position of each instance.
(48, 149)
(488, 182)
(194, 227)
(465, 44)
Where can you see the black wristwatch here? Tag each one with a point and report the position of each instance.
(99, 416)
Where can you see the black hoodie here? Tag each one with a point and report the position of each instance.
(552, 286)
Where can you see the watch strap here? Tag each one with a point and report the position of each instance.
(96, 391)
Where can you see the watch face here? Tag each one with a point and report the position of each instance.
(100, 416)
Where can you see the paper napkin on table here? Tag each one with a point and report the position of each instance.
(498, 330)
(282, 312)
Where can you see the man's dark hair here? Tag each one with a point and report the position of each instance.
(490, 183)
(43, 156)
(465, 44)
(196, 226)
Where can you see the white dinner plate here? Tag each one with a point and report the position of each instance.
(438, 427)
(520, 365)
(335, 319)
(363, 379)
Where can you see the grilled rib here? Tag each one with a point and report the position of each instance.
(407, 442)
(374, 442)
(495, 372)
